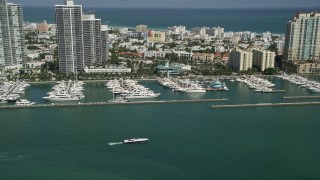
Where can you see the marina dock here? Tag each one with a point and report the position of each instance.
(264, 105)
(55, 105)
(300, 97)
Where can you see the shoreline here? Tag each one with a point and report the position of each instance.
(154, 79)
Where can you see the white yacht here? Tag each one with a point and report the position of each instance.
(2, 101)
(24, 102)
(66, 91)
(61, 97)
(192, 90)
(135, 140)
(140, 95)
(12, 97)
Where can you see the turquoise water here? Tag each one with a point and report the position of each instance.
(232, 19)
(187, 141)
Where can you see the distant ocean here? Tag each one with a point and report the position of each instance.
(255, 20)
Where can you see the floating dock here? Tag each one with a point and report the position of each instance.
(265, 105)
(300, 97)
(80, 104)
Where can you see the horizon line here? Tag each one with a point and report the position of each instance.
(118, 7)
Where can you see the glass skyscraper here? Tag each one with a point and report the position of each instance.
(81, 42)
(12, 46)
(69, 37)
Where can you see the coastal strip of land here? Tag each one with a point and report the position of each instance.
(80, 104)
(300, 97)
(264, 105)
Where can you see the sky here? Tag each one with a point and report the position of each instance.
(178, 3)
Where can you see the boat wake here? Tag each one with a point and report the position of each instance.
(114, 143)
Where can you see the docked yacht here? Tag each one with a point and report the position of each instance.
(135, 140)
(140, 95)
(12, 97)
(61, 97)
(2, 101)
(24, 102)
(192, 90)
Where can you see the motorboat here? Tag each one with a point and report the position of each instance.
(135, 140)
(24, 102)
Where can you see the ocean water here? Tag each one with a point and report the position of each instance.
(255, 20)
(187, 141)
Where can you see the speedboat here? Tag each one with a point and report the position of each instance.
(135, 140)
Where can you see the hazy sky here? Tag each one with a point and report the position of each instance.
(178, 3)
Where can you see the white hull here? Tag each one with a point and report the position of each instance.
(138, 96)
(24, 102)
(61, 99)
(133, 140)
(193, 90)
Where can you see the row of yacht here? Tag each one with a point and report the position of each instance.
(258, 84)
(180, 85)
(66, 91)
(312, 86)
(11, 91)
(130, 89)
(187, 86)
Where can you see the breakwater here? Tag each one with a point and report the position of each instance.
(265, 105)
(56, 105)
(300, 97)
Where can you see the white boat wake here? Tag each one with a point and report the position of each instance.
(114, 143)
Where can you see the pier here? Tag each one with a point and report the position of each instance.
(264, 105)
(79, 104)
(300, 97)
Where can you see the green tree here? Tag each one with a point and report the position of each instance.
(269, 71)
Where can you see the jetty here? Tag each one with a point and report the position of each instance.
(215, 89)
(264, 105)
(300, 97)
(80, 104)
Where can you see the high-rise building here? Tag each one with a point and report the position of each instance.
(91, 39)
(12, 47)
(303, 37)
(69, 37)
(240, 60)
(104, 43)
(263, 58)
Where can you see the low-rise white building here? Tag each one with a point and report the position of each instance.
(107, 69)
(176, 30)
(155, 54)
(33, 64)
